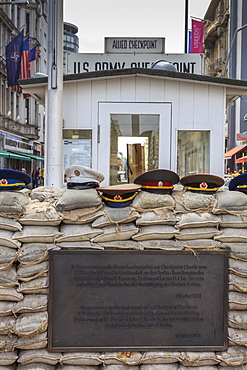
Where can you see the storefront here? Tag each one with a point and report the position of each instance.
(125, 122)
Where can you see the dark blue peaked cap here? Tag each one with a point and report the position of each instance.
(13, 179)
(239, 183)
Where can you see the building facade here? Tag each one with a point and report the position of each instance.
(22, 120)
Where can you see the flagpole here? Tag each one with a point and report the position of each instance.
(186, 27)
(54, 126)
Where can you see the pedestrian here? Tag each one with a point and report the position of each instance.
(37, 176)
(23, 170)
(33, 179)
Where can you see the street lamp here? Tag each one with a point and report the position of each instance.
(16, 2)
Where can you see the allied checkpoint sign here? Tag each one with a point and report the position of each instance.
(137, 300)
(127, 52)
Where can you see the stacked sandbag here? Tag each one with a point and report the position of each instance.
(49, 219)
(157, 218)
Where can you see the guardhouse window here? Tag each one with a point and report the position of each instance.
(134, 146)
(193, 152)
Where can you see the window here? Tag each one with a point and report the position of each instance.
(134, 146)
(77, 147)
(193, 152)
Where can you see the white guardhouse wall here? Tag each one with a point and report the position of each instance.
(194, 106)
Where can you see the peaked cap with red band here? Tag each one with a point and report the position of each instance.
(158, 181)
(119, 196)
(202, 183)
(13, 179)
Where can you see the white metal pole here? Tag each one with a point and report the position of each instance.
(54, 126)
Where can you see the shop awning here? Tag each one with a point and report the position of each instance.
(5, 154)
(233, 151)
(242, 159)
(31, 156)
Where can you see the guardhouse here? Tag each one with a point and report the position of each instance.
(126, 121)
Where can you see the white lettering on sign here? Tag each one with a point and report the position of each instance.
(79, 63)
(149, 45)
(134, 44)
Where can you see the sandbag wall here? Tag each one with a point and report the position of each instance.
(32, 223)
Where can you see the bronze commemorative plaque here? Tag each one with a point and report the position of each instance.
(138, 300)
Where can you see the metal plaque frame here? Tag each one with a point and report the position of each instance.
(137, 300)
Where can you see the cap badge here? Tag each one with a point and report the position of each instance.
(118, 197)
(3, 181)
(203, 185)
(160, 183)
(77, 173)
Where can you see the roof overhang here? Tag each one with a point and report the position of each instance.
(37, 87)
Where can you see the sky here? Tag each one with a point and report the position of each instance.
(97, 19)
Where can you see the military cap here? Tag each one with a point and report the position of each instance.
(81, 177)
(158, 181)
(202, 183)
(239, 183)
(119, 196)
(13, 179)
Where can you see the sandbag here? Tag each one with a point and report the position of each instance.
(233, 356)
(237, 301)
(161, 357)
(74, 199)
(6, 307)
(238, 267)
(8, 278)
(237, 250)
(160, 216)
(32, 253)
(39, 355)
(10, 224)
(198, 202)
(77, 233)
(80, 358)
(27, 273)
(7, 257)
(201, 244)
(30, 324)
(120, 244)
(145, 200)
(237, 337)
(237, 283)
(10, 294)
(155, 232)
(31, 303)
(7, 343)
(236, 221)
(6, 324)
(159, 367)
(35, 342)
(232, 235)
(193, 220)
(81, 215)
(40, 213)
(120, 232)
(34, 234)
(198, 358)
(237, 320)
(7, 239)
(46, 194)
(116, 358)
(13, 201)
(79, 245)
(161, 244)
(35, 286)
(115, 216)
(233, 202)
(198, 233)
(35, 366)
(8, 358)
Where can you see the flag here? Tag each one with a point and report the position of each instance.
(189, 42)
(32, 61)
(24, 72)
(13, 59)
(197, 36)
